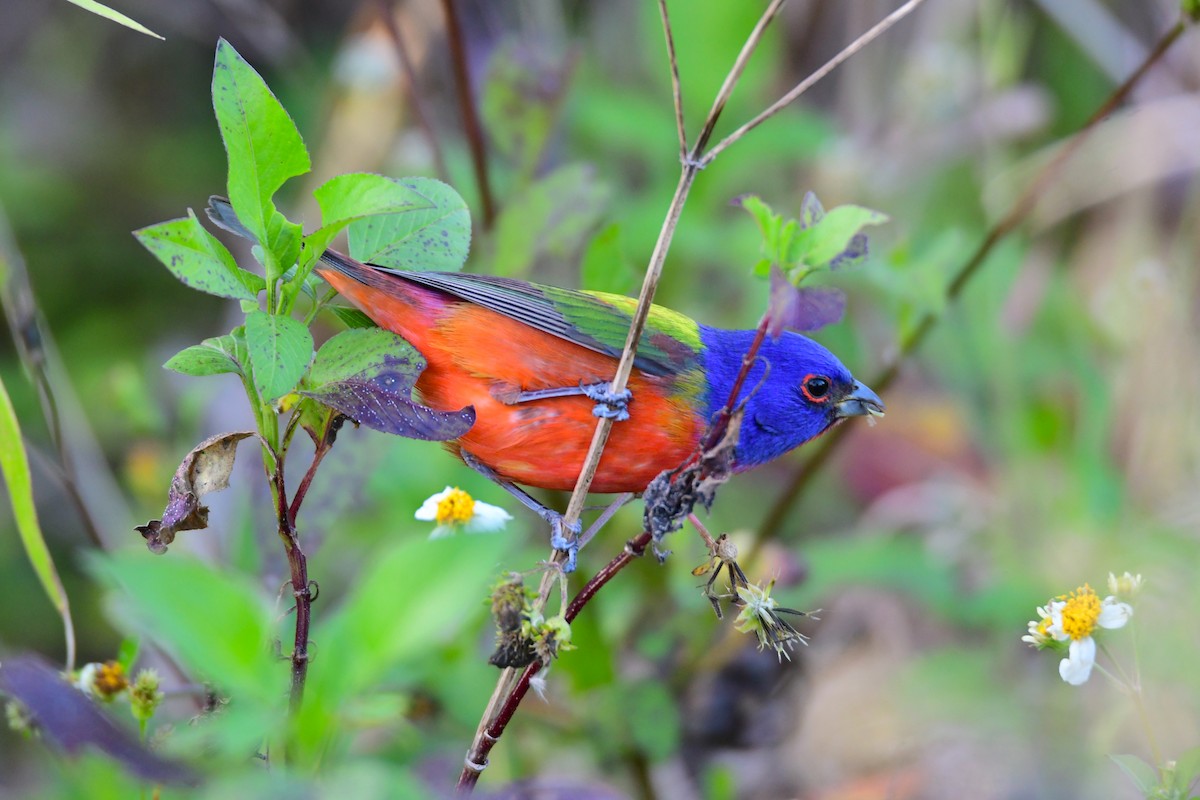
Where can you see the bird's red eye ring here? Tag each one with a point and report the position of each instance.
(816, 388)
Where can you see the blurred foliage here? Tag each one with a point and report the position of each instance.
(1046, 434)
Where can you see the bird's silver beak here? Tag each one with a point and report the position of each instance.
(861, 402)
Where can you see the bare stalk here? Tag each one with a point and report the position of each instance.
(424, 119)
(466, 105)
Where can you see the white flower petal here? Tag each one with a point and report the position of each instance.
(1054, 612)
(428, 510)
(1076, 668)
(441, 532)
(1114, 614)
(486, 518)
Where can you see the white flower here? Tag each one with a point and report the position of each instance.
(1072, 618)
(1126, 587)
(453, 508)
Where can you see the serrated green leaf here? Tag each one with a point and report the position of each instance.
(214, 356)
(198, 259)
(14, 465)
(368, 375)
(362, 352)
(832, 234)
(435, 234)
(101, 10)
(280, 349)
(347, 198)
(1143, 775)
(263, 145)
(551, 217)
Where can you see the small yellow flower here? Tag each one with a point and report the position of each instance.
(103, 681)
(453, 508)
(1069, 621)
(144, 695)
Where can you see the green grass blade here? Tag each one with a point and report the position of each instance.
(15, 466)
(116, 16)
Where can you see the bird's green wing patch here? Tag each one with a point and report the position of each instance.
(598, 321)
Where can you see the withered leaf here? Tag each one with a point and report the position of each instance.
(204, 470)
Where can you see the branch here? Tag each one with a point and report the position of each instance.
(424, 119)
(466, 104)
(804, 85)
(477, 758)
(1017, 213)
(676, 88)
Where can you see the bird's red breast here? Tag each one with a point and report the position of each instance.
(477, 356)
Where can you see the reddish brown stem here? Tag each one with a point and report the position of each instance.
(466, 104)
(477, 759)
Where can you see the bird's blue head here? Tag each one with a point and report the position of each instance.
(806, 391)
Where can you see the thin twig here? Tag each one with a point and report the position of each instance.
(466, 104)
(476, 760)
(424, 119)
(858, 44)
(676, 87)
(1020, 209)
(298, 564)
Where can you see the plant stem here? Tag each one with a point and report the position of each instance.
(298, 565)
(476, 760)
(466, 105)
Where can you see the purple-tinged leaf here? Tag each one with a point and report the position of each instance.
(205, 469)
(381, 402)
(72, 721)
(368, 375)
(855, 252)
(811, 211)
(804, 309)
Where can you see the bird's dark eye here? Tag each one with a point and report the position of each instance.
(815, 388)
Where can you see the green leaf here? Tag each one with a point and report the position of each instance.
(352, 317)
(435, 234)
(346, 198)
(215, 623)
(831, 236)
(1187, 768)
(15, 467)
(360, 352)
(368, 375)
(605, 267)
(550, 218)
(198, 259)
(263, 146)
(211, 357)
(101, 10)
(280, 349)
(1143, 775)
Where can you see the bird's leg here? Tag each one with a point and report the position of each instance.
(610, 405)
(562, 536)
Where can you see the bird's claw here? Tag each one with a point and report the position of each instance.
(609, 404)
(565, 538)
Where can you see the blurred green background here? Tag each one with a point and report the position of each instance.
(1046, 434)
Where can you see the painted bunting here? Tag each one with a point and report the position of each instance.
(535, 362)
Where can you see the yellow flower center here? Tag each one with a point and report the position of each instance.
(1080, 613)
(1043, 627)
(455, 508)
